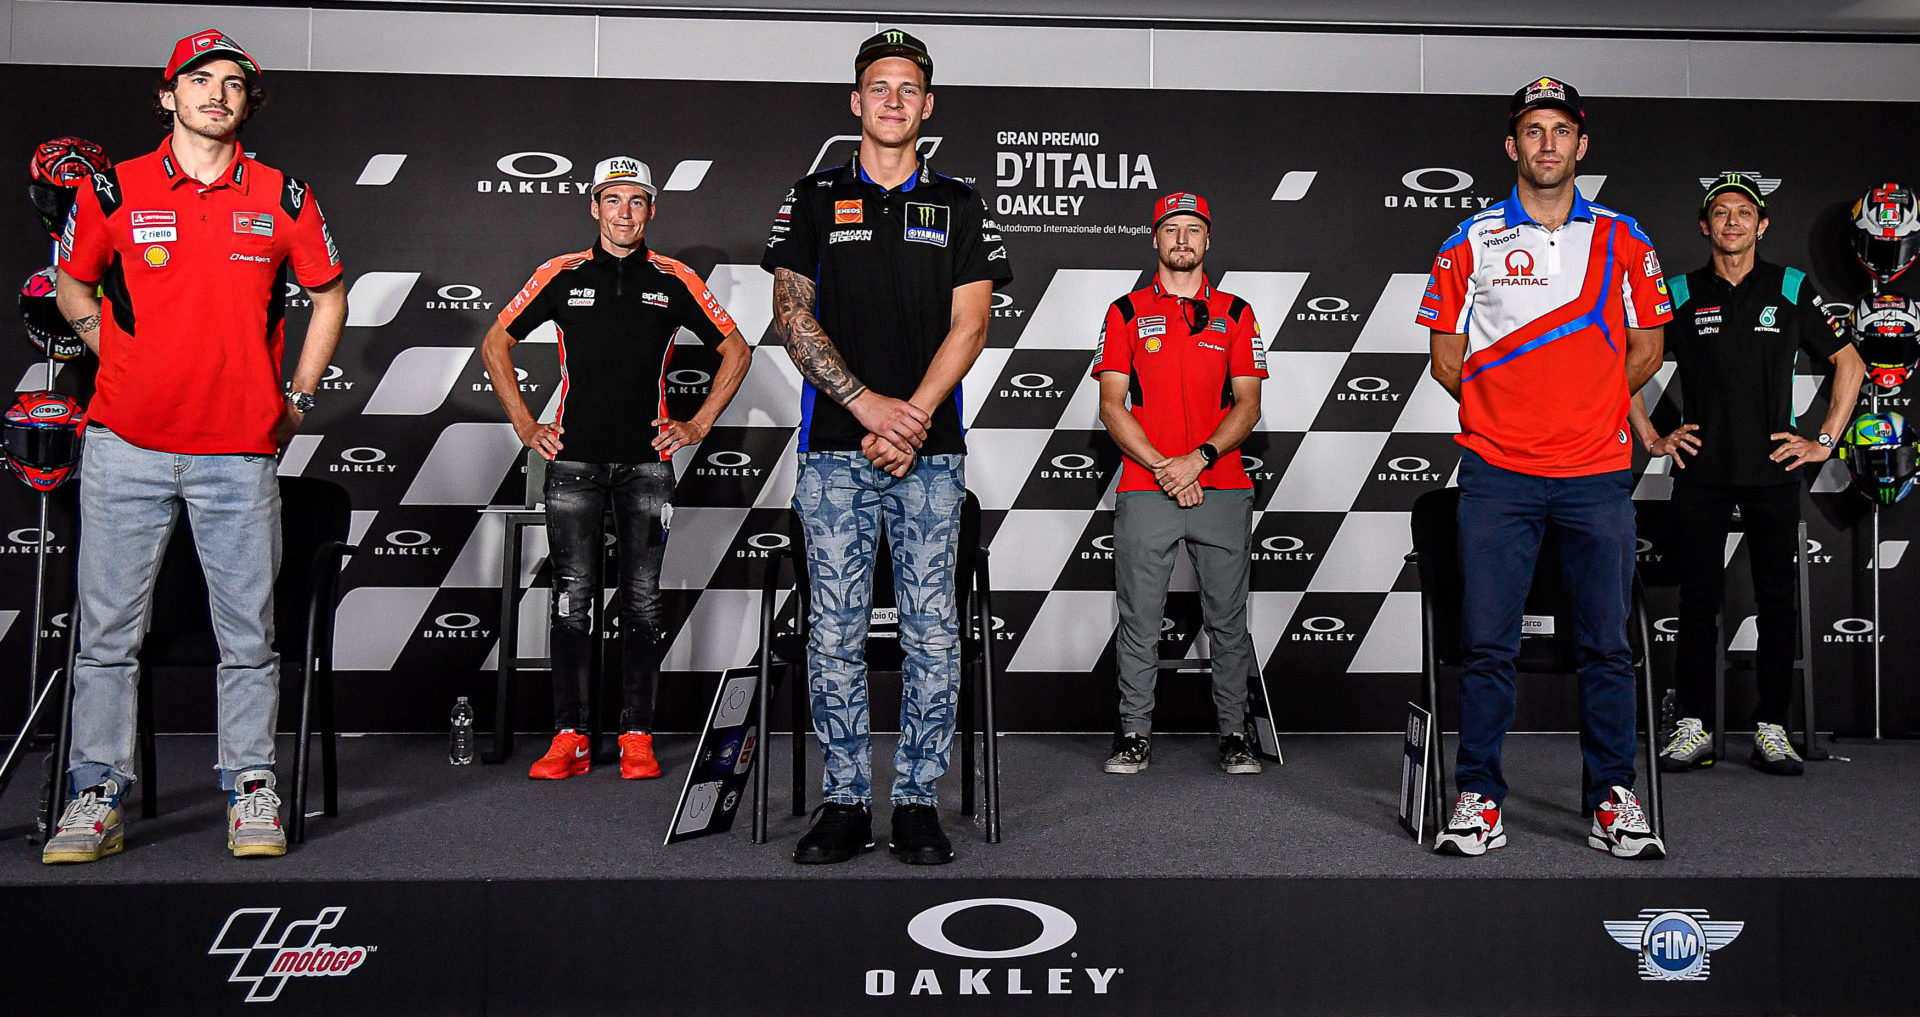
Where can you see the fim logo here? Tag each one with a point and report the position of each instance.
(1674, 945)
(263, 962)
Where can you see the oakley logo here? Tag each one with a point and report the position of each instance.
(1328, 305)
(688, 376)
(1459, 180)
(1030, 381)
(555, 165)
(1323, 623)
(408, 538)
(1283, 545)
(769, 541)
(728, 460)
(457, 620)
(1073, 461)
(363, 455)
(1369, 384)
(928, 928)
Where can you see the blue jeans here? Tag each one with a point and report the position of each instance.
(129, 500)
(844, 504)
(1503, 517)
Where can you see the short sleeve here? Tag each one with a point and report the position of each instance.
(1248, 352)
(316, 260)
(793, 243)
(86, 248)
(1643, 287)
(980, 252)
(1449, 294)
(1114, 351)
(700, 312)
(1820, 334)
(532, 307)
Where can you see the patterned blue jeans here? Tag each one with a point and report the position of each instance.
(844, 504)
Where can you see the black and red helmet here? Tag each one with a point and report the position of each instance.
(41, 434)
(1886, 328)
(46, 326)
(57, 169)
(1886, 230)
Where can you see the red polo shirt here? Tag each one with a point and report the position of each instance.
(194, 284)
(1180, 379)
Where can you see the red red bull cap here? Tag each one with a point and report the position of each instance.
(1181, 203)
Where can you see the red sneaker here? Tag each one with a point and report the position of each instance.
(569, 756)
(636, 757)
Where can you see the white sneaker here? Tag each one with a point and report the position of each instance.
(1620, 828)
(90, 827)
(1474, 829)
(253, 817)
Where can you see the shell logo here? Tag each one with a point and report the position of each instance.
(155, 256)
(1153, 345)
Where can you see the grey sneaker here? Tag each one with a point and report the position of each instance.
(90, 827)
(1773, 753)
(1690, 748)
(253, 817)
(1131, 752)
(1235, 757)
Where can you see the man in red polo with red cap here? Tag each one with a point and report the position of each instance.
(1190, 359)
(173, 269)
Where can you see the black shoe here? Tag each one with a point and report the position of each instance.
(917, 838)
(839, 832)
(1132, 752)
(1235, 756)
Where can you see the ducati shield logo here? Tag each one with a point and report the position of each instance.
(1674, 945)
(264, 959)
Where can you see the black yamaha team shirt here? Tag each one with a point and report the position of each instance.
(885, 264)
(616, 318)
(1736, 347)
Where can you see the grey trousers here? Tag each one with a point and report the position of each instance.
(1147, 525)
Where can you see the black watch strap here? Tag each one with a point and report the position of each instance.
(1209, 453)
(302, 401)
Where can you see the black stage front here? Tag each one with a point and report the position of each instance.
(1177, 891)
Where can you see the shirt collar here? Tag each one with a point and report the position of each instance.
(238, 176)
(1205, 293)
(600, 252)
(920, 176)
(1516, 213)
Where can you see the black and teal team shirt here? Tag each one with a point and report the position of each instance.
(1736, 347)
(885, 263)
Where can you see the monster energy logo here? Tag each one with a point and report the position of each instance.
(895, 38)
(927, 219)
(926, 223)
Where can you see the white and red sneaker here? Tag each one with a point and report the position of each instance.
(1620, 827)
(1474, 829)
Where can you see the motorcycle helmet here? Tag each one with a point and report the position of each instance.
(1879, 452)
(1886, 231)
(41, 434)
(46, 326)
(1886, 328)
(57, 169)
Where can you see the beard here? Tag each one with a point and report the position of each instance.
(1181, 261)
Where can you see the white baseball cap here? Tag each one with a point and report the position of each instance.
(624, 169)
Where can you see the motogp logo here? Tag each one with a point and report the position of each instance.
(264, 961)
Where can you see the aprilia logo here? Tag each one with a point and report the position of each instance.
(264, 962)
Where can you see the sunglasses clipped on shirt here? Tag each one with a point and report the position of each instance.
(1196, 312)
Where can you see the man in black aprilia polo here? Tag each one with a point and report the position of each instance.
(615, 308)
(883, 271)
(1739, 325)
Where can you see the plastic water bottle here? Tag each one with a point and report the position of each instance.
(460, 744)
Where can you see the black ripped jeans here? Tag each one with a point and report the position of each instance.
(577, 499)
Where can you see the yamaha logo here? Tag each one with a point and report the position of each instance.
(1031, 386)
(457, 625)
(929, 930)
(1436, 187)
(1368, 389)
(1323, 629)
(362, 460)
(726, 463)
(1850, 630)
(1674, 946)
(1410, 468)
(1072, 466)
(459, 297)
(264, 960)
(1327, 309)
(410, 543)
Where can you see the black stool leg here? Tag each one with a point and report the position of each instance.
(297, 823)
(968, 690)
(802, 728)
(143, 697)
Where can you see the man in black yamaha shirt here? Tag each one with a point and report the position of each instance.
(1739, 326)
(615, 309)
(883, 272)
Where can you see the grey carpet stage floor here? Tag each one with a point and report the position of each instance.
(1329, 812)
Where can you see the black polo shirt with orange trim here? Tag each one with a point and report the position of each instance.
(1180, 367)
(616, 318)
(885, 263)
(193, 278)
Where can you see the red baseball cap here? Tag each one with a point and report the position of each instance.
(1180, 203)
(209, 44)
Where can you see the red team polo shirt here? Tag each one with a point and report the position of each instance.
(193, 279)
(1543, 390)
(1180, 380)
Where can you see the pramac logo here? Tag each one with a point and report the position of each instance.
(1520, 270)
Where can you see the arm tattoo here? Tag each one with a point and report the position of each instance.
(812, 352)
(81, 326)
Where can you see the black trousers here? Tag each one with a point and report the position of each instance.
(1771, 517)
(577, 499)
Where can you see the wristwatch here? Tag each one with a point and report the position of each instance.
(1825, 439)
(302, 401)
(1209, 453)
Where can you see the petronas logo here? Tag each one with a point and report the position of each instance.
(1767, 316)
